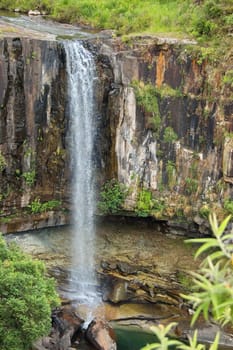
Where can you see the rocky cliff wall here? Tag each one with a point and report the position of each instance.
(35, 175)
(164, 127)
(171, 121)
(32, 121)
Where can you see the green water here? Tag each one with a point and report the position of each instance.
(132, 338)
(8, 13)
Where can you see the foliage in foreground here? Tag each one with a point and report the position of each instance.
(213, 293)
(27, 297)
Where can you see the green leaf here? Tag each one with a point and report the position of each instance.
(212, 242)
(214, 346)
(227, 303)
(205, 309)
(196, 314)
(227, 237)
(197, 240)
(192, 297)
(223, 225)
(216, 255)
(213, 223)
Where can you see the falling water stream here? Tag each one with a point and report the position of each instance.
(81, 80)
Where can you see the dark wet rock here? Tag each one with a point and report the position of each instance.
(182, 228)
(101, 335)
(208, 332)
(66, 317)
(126, 268)
(118, 293)
(65, 325)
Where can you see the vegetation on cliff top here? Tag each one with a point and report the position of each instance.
(200, 18)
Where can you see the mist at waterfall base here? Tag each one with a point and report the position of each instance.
(81, 75)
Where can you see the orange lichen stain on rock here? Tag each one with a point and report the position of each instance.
(160, 70)
(195, 68)
(218, 79)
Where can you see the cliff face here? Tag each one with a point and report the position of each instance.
(32, 120)
(164, 125)
(171, 121)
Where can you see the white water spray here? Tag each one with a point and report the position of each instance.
(81, 77)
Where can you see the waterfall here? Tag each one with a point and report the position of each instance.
(81, 77)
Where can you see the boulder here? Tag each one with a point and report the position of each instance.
(34, 13)
(65, 341)
(66, 318)
(101, 335)
(65, 324)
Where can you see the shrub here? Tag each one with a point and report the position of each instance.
(26, 299)
(169, 135)
(212, 10)
(204, 211)
(147, 98)
(37, 207)
(112, 197)
(191, 185)
(228, 78)
(29, 177)
(144, 203)
(204, 27)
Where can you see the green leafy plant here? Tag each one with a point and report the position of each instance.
(112, 197)
(193, 343)
(2, 162)
(167, 91)
(214, 282)
(158, 205)
(228, 206)
(29, 177)
(33, 55)
(144, 203)
(212, 295)
(147, 97)
(228, 78)
(169, 135)
(164, 342)
(204, 211)
(171, 173)
(27, 299)
(185, 280)
(191, 185)
(37, 207)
